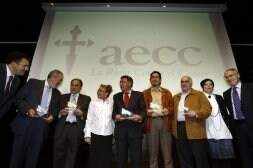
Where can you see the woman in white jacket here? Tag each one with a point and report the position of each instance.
(221, 151)
(98, 131)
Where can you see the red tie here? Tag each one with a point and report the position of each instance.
(126, 99)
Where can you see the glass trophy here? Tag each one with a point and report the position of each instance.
(71, 106)
(41, 111)
(156, 108)
(126, 114)
(184, 109)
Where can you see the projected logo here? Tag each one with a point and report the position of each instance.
(134, 55)
(72, 44)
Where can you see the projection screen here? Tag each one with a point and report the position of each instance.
(99, 43)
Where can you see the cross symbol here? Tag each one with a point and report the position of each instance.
(73, 43)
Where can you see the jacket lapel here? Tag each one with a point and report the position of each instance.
(40, 90)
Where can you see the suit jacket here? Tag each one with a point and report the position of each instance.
(223, 110)
(6, 102)
(29, 97)
(128, 128)
(83, 103)
(167, 102)
(246, 104)
(195, 127)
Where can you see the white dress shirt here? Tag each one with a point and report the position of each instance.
(99, 119)
(181, 107)
(8, 75)
(71, 115)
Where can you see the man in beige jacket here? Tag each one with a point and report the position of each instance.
(191, 108)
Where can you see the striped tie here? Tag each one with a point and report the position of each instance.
(7, 88)
(237, 105)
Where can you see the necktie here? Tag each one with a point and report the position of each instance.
(71, 115)
(44, 101)
(126, 99)
(237, 104)
(74, 98)
(7, 88)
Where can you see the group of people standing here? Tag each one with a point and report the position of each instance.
(204, 132)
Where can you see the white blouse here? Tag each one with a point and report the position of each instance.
(215, 125)
(99, 119)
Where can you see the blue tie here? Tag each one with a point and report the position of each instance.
(71, 115)
(237, 105)
(74, 98)
(45, 97)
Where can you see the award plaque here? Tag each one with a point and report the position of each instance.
(41, 111)
(126, 114)
(156, 108)
(71, 106)
(185, 109)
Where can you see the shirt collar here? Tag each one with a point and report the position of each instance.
(76, 94)
(129, 92)
(8, 71)
(46, 83)
(186, 93)
(156, 89)
(208, 95)
(101, 100)
(239, 85)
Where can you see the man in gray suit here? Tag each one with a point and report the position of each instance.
(69, 127)
(30, 127)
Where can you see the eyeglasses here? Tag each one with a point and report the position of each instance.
(230, 76)
(186, 81)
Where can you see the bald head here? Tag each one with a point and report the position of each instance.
(186, 83)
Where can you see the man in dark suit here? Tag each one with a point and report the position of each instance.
(69, 127)
(17, 64)
(241, 114)
(30, 127)
(128, 116)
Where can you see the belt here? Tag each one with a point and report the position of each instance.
(240, 121)
(69, 123)
(181, 123)
(158, 117)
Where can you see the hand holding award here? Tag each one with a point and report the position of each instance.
(126, 114)
(71, 106)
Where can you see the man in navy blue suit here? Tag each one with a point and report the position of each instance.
(128, 118)
(241, 115)
(17, 64)
(30, 127)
